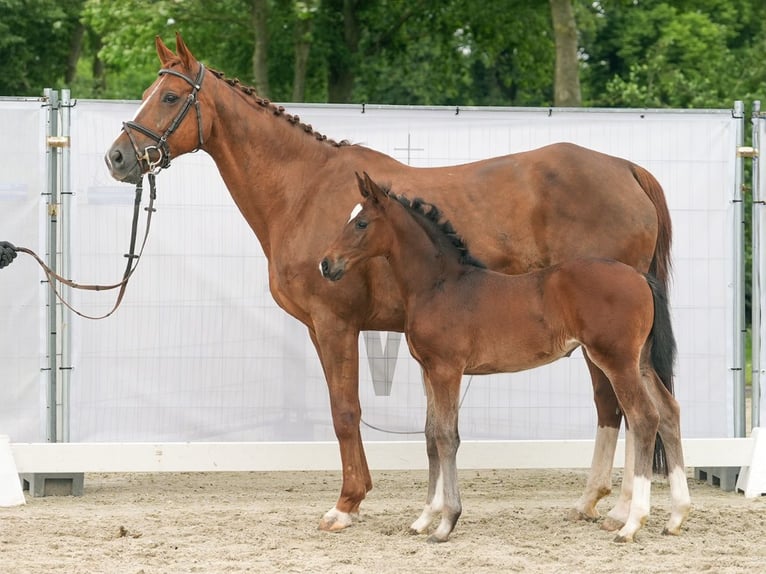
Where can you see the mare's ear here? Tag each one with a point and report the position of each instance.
(163, 52)
(378, 194)
(362, 186)
(183, 52)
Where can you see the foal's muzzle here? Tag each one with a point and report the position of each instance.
(332, 271)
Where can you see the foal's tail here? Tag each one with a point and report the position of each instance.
(662, 355)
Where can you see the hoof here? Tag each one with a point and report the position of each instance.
(435, 539)
(335, 521)
(329, 526)
(575, 515)
(413, 532)
(668, 532)
(611, 525)
(623, 539)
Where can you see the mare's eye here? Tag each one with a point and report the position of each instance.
(361, 224)
(170, 98)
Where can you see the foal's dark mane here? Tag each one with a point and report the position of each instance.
(276, 110)
(429, 217)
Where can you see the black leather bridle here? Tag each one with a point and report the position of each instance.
(163, 159)
(152, 167)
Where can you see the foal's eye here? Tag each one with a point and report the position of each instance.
(170, 98)
(361, 224)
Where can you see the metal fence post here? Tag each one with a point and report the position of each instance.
(757, 266)
(52, 213)
(59, 357)
(738, 243)
(65, 369)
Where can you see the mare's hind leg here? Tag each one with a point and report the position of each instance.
(670, 431)
(435, 497)
(599, 482)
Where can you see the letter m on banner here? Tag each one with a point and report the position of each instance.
(382, 359)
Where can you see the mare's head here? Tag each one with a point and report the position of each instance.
(366, 234)
(175, 118)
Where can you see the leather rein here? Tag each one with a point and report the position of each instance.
(153, 167)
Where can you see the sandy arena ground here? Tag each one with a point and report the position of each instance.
(513, 521)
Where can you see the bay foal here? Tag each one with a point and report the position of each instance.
(463, 318)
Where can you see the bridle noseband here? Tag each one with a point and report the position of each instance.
(163, 159)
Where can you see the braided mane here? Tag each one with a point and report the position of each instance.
(277, 110)
(431, 215)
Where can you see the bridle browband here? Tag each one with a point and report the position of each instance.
(163, 159)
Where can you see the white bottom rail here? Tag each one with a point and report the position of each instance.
(293, 456)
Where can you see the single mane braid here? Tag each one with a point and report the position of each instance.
(434, 216)
(277, 110)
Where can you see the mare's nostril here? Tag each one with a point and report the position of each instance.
(116, 157)
(324, 267)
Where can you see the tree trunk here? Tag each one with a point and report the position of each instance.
(343, 65)
(260, 53)
(567, 80)
(98, 68)
(303, 38)
(75, 47)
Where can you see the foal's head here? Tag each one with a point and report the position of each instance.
(365, 234)
(369, 231)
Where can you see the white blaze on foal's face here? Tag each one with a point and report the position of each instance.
(355, 211)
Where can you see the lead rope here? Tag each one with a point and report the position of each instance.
(404, 432)
(130, 267)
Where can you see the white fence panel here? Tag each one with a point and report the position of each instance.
(200, 352)
(22, 295)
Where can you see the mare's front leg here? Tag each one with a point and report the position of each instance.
(337, 345)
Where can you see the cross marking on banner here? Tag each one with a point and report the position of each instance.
(409, 148)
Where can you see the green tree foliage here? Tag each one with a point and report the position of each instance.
(496, 52)
(681, 53)
(35, 38)
(633, 53)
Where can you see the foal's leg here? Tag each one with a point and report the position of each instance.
(670, 431)
(618, 515)
(435, 497)
(444, 387)
(643, 418)
(599, 482)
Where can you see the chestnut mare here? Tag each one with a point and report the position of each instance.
(520, 212)
(463, 318)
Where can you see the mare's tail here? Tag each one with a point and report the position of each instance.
(660, 265)
(662, 355)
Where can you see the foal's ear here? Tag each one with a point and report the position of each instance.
(378, 193)
(163, 52)
(183, 52)
(362, 186)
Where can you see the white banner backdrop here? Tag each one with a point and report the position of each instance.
(22, 295)
(199, 350)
